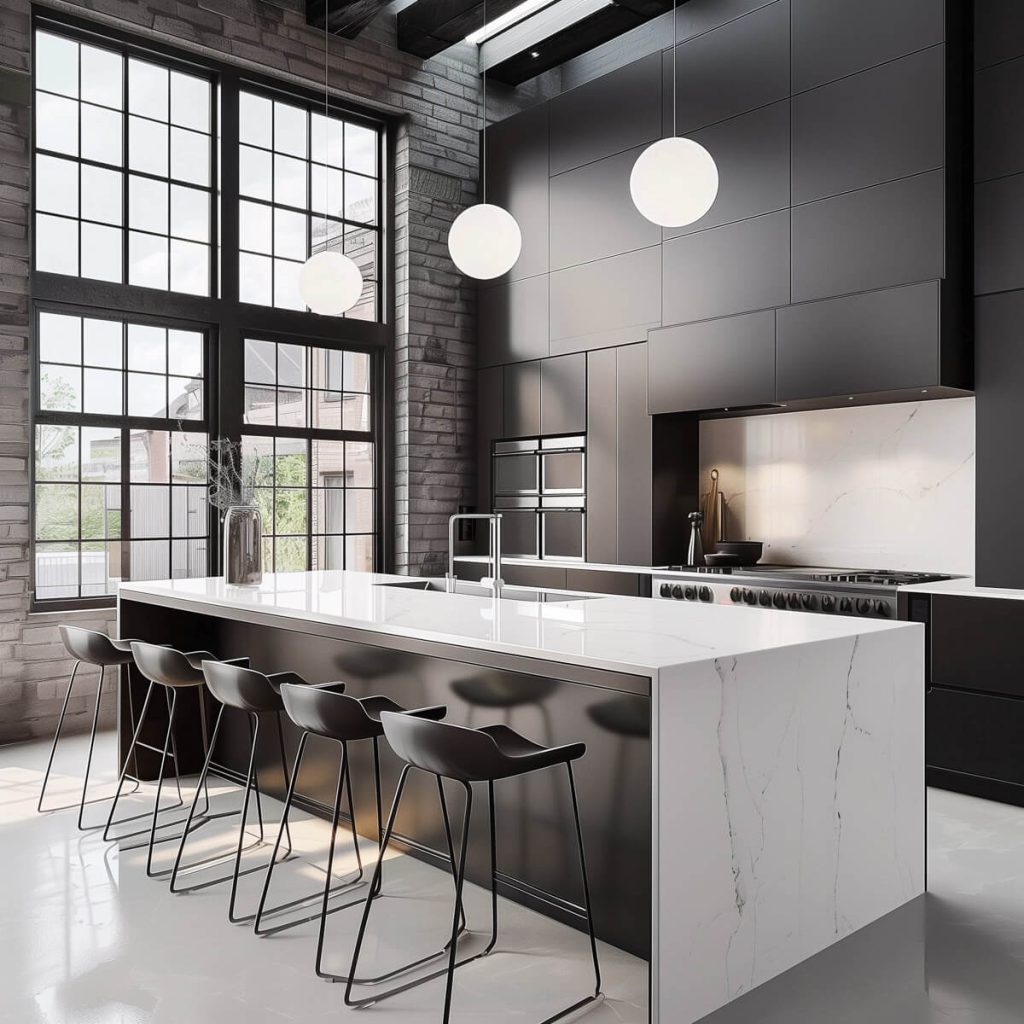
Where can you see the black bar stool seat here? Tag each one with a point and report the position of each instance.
(174, 671)
(469, 756)
(325, 710)
(90, 647)
(255, 694)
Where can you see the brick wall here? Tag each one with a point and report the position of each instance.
(434, 178)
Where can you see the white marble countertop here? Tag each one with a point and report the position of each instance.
(635, 635)
(964, 587)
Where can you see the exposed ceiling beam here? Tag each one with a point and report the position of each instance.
(427, 27)
(347, 17)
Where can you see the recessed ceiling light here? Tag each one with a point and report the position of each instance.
(534, 54)
(506, 20)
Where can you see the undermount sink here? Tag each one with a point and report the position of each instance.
(479, 590)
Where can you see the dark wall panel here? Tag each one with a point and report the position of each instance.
(513, 321)
(998, 31)
(999, 235)
(607, 302)
(593, 216)
(490, 422)
(752, 154)
(998, 140)
(730, 70)
(602, 459)
(878, 237)
(563, 395)
(869, 128)
(734, 268)
(859, 344)
(517, 178)
(635, 509)
(834, 38)
(522, 400)
(716, 364)
(613, 113)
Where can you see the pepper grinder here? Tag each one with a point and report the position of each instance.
(695, 552)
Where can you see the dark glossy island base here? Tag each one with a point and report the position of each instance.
(534, 815)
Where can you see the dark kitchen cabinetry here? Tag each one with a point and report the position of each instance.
(619, 457)
(998, 145)
(513, 321)
(550, 576)
(517, 178)
(605, 581)
(521, 400)
(998, 230)
(717, 364)
(616, 112)
(490, 423)
(563, 395)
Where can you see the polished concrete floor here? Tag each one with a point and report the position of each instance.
(86, 938)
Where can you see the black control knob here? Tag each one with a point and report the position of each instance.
(828, 603)
(794, 601)
(735, 595)
(882, 609)
(764, 599)
(810, 602)
(864, 606)
(690, 593)
(704, 593)
(677, 592)
(666, 590)
(845, 606)
(779, 600)
(750, 597)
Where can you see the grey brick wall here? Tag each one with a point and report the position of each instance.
(435, 177)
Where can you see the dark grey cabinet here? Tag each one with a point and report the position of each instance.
(860, 344)
(592, 213)
(835, 38)
(563, 395)
(717, 364)
(490, 421)
(607, 302)
(998, 230)
(602, 457)
(872, 127)
(998, 142)
(513, 321)
(734, 268)
(613, 113)
(543, 576)
(998, 31)
(732, 69)
(877, 237)
(521, 400)
(517, 178)
(607, 581)
(752, 154)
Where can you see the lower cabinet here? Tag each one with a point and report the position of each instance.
(604, 581)
(550, 576)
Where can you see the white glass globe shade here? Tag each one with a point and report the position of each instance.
(330, 283)
(485, 241)
(674, 182)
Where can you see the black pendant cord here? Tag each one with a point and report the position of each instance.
(483, 117)
(327, 120)
(675, 43)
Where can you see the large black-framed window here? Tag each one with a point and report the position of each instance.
(160, 242)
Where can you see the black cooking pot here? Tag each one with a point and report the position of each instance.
(747, 551)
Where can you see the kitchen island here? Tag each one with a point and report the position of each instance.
(753, 789)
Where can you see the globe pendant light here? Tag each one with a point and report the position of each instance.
(330, 283)
(674, 181)
(485, 240)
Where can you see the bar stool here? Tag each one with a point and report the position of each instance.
(174, 671)
(93, 648)
(466, 756)
(256, 694)
(325, 710)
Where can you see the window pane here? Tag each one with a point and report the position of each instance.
(101, 569)
(329, 553)
(190, 213)
(147, 348)
(328, 187)
(190, 156)
(356, 412)
(189, 454)
(328, 140)
(103, 342)
(57, 185)
(101, 195)
(290, 554)
(56, 64)
(254, 227)
(56, 244)
(101, 135)
(56, 571)
(189, 512)
(291, 364)
(189, 558)
(151, 510)
(56, 124)
(286, 285)
(101, 512)
(56, 452)
(151, 560)
(60, 388)
(147, 89)
(254, 173)
(185, 353)
(56, 511)
(147, 395)
(102, 76)
(103, 392)
(326, 411)
(150, 456)
(190, 101)
(254, 120)
(359, 553)
(361, 147)
(255, 274)
(101, 252)
(190, 267)
(361, 248)
(290, 235)
(359, 464)
(289, 129)
(357, 371)
(147, 146)
(260, 405)
(260, 361)
(60, 338)
(289, 462)
(185, 398)
(147, 260)
(359, 511)
(291, 407)
(147, 204)
(360, 199)
(289, 181)
(101, 454)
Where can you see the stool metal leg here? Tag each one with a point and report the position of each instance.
(586, 888)
(168, 740)
(92, 744)
(124, 771)
(254, 726)
(56, 735)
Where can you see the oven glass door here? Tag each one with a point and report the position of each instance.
(515, 474)
(562, 532)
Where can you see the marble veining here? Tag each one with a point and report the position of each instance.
(889, 486)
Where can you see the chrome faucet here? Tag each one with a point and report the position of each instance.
(493, 550)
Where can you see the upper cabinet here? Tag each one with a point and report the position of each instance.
(512, 321)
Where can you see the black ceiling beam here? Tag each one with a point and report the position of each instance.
(428, 27)
(347, 17)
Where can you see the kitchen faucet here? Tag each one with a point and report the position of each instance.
(493, 550)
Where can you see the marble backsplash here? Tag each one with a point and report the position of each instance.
(885, 486)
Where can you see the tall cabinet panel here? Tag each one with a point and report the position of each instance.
(563, 395)
(490, 427)
(634, 456)
(522, 400)
(602, 457)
